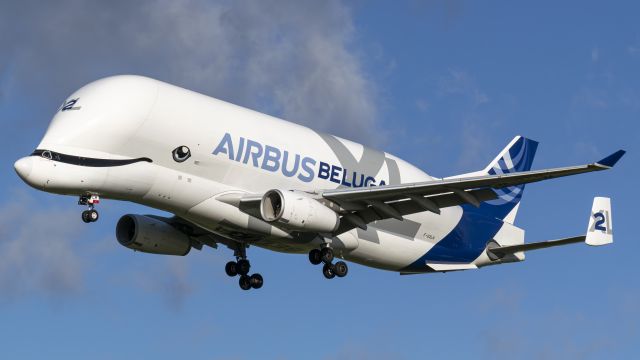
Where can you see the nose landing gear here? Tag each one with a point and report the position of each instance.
(329, 270)
(241, 267)
(91, 215)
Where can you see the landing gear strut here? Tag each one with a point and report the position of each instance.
(241, 267)
(329, 270)
(91, 201)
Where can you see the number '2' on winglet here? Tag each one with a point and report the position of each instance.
(612, 159)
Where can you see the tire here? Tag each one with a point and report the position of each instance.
(85, 216)
(93, 215)
(245, 282)
(256, 281)
(231, 268)
(341, 269)
(243, 267)
(315, 257)
(327, 255)
(327, 271)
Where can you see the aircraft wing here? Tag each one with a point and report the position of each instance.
(360, 206)
(365, 205)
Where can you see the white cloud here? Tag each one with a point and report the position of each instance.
(595, 54)
(591, 97)
(38, 249)
(294, 59)
(169, 279)
(291, 58)
(457, 82)
(422, 105)
(474, 138)
(476, 129)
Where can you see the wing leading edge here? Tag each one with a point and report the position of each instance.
(364, 205)
(361, 206)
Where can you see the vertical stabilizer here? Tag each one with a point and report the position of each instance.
(515, 157)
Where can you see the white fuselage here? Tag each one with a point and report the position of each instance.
(233, 150)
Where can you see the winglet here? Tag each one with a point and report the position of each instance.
(612, 159)
(600, 230)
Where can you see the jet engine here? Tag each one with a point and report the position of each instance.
(297, 211)
(150, 235)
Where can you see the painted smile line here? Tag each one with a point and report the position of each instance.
(86, 161)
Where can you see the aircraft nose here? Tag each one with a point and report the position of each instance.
(23, 167)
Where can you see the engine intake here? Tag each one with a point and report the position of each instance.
(150, 235)
(297, 211)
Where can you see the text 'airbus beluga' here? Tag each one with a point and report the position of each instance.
(237, 177)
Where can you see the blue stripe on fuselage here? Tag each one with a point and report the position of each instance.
(464, 243)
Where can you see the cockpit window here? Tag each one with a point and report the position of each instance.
(85, 161)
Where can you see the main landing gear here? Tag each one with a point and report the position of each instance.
(329, 270)
(241, 267)
(91, 215)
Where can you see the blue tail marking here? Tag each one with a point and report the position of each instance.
(612, 159)
(478, 226)
(515, 158)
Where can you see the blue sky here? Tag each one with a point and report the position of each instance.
(442, 84)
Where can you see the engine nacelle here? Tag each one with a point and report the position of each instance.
(146, 234)
(297, 211)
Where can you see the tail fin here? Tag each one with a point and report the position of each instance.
(517, 156)
(600, 231)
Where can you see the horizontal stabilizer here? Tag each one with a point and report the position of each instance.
(505, 250)
(599, 232)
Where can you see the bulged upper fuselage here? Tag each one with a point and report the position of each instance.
(138, 139)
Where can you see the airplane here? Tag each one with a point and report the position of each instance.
(239, 178)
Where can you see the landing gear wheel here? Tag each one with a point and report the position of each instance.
(315, 256)
(231, 268)
(245, 282)
(93, 215)
(89, 216)
(327, 271)
(327, 255)
(340, 269)
(256, 281)
(243, 266)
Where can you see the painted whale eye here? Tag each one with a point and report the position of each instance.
(181, 153)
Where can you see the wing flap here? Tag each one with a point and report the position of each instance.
(432, 195)
(410, 206)
(402, 191)
(360, 206)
